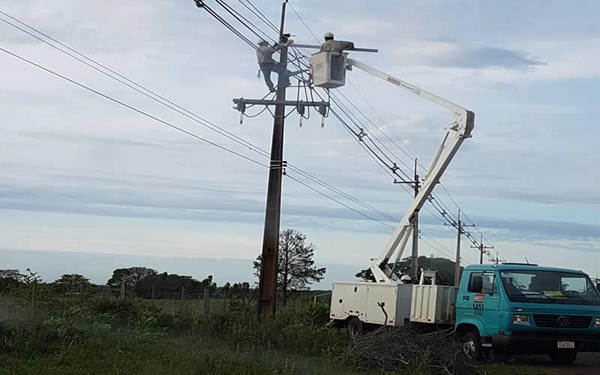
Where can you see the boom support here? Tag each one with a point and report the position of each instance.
(456, 133)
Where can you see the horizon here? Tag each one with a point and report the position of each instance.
(82, 174)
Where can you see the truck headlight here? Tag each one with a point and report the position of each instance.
(597, 324)
(521, 319)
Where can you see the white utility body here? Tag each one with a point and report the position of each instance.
(383, 294)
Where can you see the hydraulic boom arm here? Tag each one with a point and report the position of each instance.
(460, 129)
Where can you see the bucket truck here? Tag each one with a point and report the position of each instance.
(514, 308)
(383, 298)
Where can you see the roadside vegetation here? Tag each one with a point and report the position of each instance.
(99, 334)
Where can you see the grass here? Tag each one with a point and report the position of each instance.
(129, 351)
(86, 336)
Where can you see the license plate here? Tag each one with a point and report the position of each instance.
(566, 344)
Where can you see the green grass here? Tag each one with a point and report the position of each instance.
(128, 351)
(143, 337)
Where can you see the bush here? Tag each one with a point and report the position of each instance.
(39, 337)
(301, 331)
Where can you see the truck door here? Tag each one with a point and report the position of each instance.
(482, 301)
(491, 302)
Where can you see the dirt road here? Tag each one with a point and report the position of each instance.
(586, 364)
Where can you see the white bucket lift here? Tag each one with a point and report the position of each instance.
(328, 69)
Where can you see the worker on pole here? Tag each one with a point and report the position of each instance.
(266, 63)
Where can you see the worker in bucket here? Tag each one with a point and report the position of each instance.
(266, 63)
(336, 47)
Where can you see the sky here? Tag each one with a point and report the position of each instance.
(86, 179)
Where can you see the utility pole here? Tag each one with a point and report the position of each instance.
(497, 259)
(414, 220)
(267, 289)
(414, 267)
(460, 226)
(482, 249)
(457, 264)
(267, 285)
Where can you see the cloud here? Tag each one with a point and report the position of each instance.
(468, 56)
(482, 56)
(543, 230)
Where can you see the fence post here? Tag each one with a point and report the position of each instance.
(122, 288)
(206, 300)
(33, 297)
(182, 297)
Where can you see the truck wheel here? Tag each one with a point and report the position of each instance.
(469, 344)
(354, 327)
(563, 357)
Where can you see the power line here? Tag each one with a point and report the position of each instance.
(255, 148)
(132, 108)
(339, 202)
(172, 105)
(443, 210)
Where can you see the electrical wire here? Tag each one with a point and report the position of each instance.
(248, 25)
(443, 210)
(148, 93)
(130, 107)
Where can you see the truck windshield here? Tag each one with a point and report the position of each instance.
(549, 287)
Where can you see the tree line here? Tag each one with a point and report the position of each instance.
(296, 272)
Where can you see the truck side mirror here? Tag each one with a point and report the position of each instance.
(476, 285)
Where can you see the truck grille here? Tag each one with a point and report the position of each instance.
(562, 321)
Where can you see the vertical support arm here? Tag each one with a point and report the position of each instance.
(457, 132)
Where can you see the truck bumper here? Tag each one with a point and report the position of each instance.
(536, 343)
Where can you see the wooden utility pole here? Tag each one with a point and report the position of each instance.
(267, 288)
(482, 249)
(457, 262)
(414, 268)
(414, 221)
(460, 227)
(267, 284)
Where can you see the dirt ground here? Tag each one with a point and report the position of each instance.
(586, 364)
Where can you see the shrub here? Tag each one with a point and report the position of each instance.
(39, 337)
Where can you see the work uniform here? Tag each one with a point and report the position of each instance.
(264, 56)
(336, 46)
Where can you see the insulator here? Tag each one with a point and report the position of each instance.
(323, 110)
(322, 121)
(241, 106)
(241, 118)
(301, 118)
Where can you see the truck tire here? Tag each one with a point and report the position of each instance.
(469, 344)
(354, 327)
(563, 357)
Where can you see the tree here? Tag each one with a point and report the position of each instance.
(209, 284)
(10, 279)
(131, 276)
(166, 285)
(71, 284)
(31, 277)
(296, 267)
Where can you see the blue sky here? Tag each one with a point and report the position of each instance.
(82, 175)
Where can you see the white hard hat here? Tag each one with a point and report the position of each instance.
(405, 279)
(328, 35)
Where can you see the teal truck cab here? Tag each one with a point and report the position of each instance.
(527, 309)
